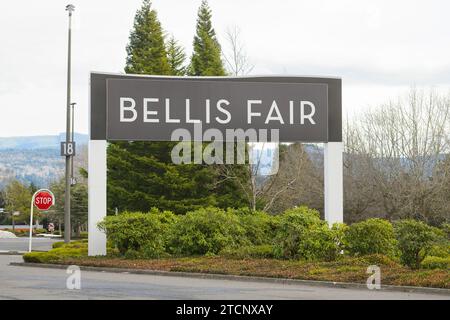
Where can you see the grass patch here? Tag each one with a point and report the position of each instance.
(60, 251)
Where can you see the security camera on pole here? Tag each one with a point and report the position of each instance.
(68, 147)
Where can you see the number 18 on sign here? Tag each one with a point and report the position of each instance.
(68, 148)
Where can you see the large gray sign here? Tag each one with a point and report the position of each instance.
(131, 107)
(153, 109)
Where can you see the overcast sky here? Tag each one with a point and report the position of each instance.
(379, 48)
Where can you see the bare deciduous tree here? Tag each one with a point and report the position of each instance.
(299, 180)
(236, 58)
(394, 157)
(396, 165)
(249, 177)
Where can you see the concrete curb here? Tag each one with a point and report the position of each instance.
(11, 253)
(213, 276)
(19, 253)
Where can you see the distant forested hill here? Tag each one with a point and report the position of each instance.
(36, 158)
(38, 142)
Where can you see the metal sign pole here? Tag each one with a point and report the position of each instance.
(31, 222)
(67, 228)
(40, 206)
(72, 178)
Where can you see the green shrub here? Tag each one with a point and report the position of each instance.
(57, 244)
(79, 244)
(84, 235)
(71, 250)
(40, 257)
(206, 230)
(441, 250)
(446, 228)
(302, 234)
(258, 225)
(136, 230)
(432, 262)
(372, 236)
(415, 239)
(379, 260)
(264, 251)
(132, 254)
(291, 228)
(149, 251)
(320, 242)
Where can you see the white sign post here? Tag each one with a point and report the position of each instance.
(43, 199)
(333, 182)
(96, 196)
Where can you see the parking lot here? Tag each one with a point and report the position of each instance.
(21, 244)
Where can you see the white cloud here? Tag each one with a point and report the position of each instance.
(378, 48)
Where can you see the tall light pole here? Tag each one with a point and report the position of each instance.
(67, 227)
(72, 129)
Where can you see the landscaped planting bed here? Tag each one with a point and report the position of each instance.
(294, 245)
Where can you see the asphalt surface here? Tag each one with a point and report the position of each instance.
(18, 282)
(21, 244)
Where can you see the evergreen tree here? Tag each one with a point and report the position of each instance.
(206, 59)
(3, 215)
(176, 57)
(146, 49)
(78, 205)
(2, 199)
(33, 188)
(141, 175)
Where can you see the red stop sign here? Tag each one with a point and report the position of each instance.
(43, 200)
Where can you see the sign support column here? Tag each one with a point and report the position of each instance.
(96, 196)
(333, 182)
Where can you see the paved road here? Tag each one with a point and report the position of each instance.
(41, 283)
(21, 244)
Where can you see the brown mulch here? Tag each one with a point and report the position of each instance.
(345, 270)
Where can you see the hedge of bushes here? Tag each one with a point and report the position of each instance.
(371, 236)
(298, 233)
(60, 251)
(301, 234)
